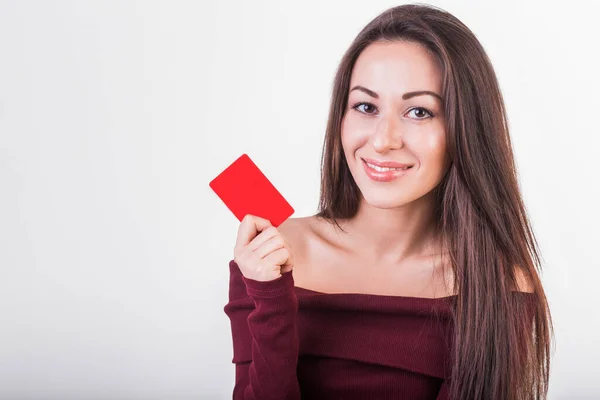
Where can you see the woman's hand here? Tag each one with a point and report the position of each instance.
(260, 251)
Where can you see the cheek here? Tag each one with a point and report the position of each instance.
(432, 149)
(353, 135)
(358, 123)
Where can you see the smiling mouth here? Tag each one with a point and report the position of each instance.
(385, 169)
(384, 174)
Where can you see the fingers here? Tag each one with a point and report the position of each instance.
(288, 263)
(261, 252)
(285, 269)
(251, 225)
(269, 246)
(267, 235)
(279, 257)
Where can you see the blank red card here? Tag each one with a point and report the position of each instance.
(246, 190)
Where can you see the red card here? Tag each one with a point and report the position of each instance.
(246, 190)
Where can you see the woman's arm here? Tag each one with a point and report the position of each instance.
(263, 324)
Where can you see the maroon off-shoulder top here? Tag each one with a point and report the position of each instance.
(295, 343)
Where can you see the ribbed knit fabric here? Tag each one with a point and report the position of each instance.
(295, 343)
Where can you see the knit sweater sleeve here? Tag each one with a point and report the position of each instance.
(263, 319)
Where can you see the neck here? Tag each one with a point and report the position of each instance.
(395, 234)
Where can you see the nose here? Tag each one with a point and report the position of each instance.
(387, 135)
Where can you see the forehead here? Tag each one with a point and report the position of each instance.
(401, 66)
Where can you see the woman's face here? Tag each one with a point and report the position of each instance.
(384, 122)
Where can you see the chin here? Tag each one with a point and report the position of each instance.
(385, 201)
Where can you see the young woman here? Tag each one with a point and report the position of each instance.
(418, 276)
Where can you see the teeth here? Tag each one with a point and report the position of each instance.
(383, 169)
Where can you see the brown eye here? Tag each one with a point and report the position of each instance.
(421, 113)
(367, 107)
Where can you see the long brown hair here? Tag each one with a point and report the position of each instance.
(500, 348)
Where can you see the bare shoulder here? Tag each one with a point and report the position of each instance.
(303, 237)
(311, 236)
(294, 231)
(293, 228)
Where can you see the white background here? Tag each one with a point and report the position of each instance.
(115, 115)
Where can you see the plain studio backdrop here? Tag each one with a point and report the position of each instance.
(115, 116)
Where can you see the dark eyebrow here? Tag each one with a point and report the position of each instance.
(405, 96)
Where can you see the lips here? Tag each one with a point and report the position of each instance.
(387, 164)
(384, 176)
